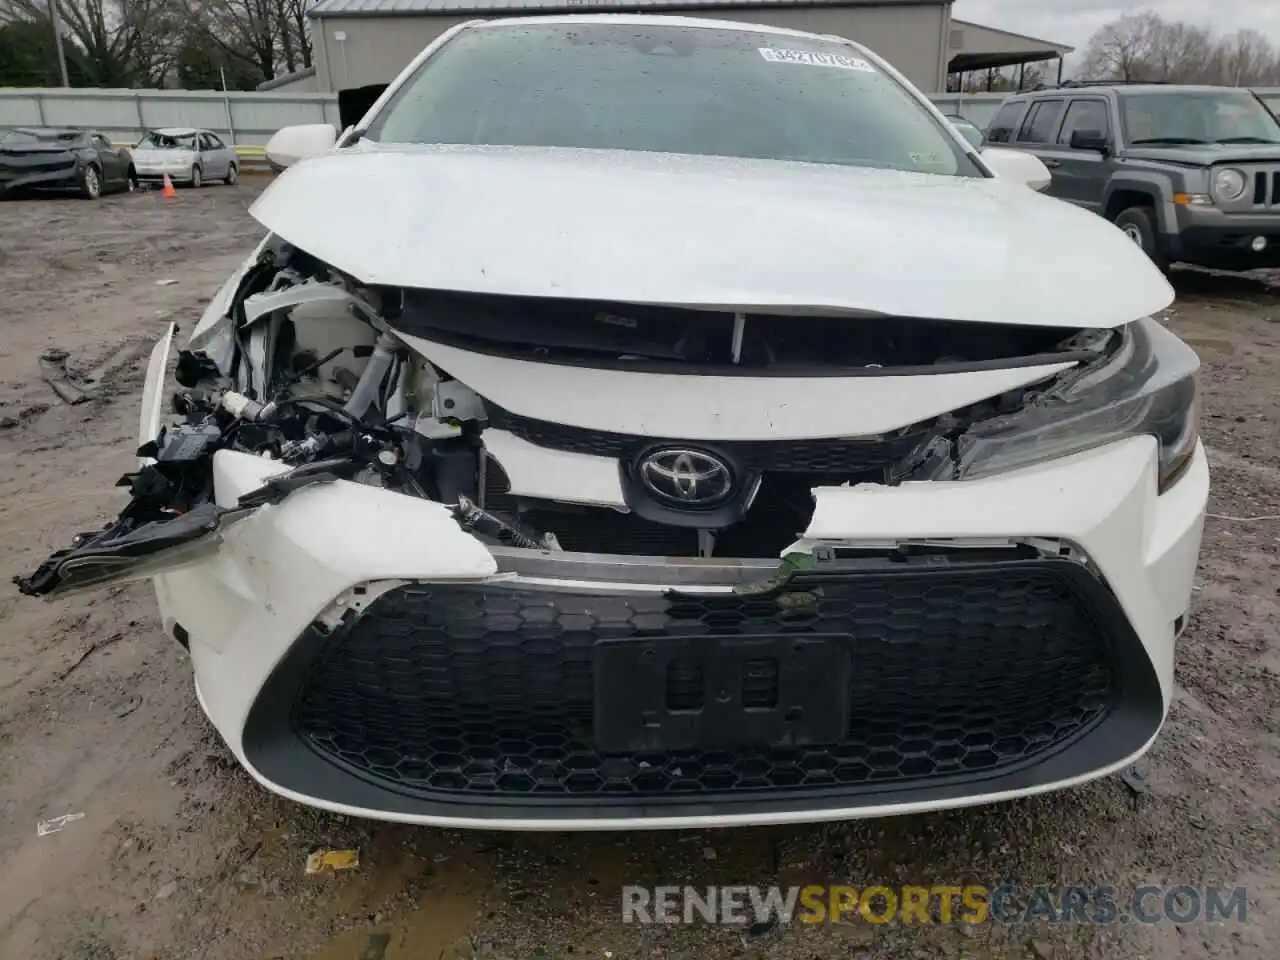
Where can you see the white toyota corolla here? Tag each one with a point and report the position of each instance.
(647, 421)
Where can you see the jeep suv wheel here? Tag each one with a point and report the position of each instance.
(1138, 225)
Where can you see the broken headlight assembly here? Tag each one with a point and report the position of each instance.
(1146, 387)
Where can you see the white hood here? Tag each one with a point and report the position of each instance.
(708, 231)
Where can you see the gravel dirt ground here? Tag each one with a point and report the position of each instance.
(180, 855)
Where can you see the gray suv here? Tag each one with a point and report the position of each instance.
(1190, 173)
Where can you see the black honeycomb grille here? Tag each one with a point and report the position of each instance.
(838, 455)
(487, 690)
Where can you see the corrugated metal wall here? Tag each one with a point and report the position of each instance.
(245, 118)
(251, 118)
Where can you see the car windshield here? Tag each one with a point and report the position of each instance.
(668, 89)
(1194, 117)
(165, 141)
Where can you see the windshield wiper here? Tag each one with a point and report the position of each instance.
(1246, 140)
(1189, 141)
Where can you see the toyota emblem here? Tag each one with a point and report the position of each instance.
(686, 478)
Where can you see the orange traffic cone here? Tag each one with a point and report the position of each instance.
(167, 190)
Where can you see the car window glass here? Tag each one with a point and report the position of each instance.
(1084, 115)
(164, 141)
(668, 89)
(1041, 123)
(1199, 116)
(101, 141)
(1006, 121)
(214, 142)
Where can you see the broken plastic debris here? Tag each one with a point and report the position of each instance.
(1137, 778)
(169, 282)
(791, 563)
(53, 369)
(323, 860)
(46, 827)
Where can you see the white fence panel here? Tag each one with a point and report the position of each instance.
(262, 114)
(19, 111)
(153, 110)
(978, 108)
(247, 118)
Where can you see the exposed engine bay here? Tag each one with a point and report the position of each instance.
(317, 372)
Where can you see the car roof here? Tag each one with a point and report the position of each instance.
(1171, 88)
(656, 20)
(51, 131)
(178, 131)
(1122, 88)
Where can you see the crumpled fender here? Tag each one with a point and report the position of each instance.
(153, 390)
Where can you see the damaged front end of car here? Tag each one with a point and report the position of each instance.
(506, 560)
(451, 397)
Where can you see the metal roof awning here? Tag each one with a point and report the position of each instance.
(975, 47)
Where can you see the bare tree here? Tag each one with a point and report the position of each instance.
(295, 34)
(270, 36)
(1178, 51)
(1144, 46)
(1248, 59)
(1122, 50)
(245, 30)
(120, 42)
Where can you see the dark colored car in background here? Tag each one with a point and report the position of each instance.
(44, 158)
(1190, 173)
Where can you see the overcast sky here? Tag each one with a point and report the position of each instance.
(1072, 22)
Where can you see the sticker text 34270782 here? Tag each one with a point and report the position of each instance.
(810, 59)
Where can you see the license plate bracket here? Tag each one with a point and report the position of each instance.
(716, 692)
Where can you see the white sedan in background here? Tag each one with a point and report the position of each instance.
(187, 155)
(647, 421)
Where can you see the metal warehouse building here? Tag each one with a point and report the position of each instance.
(361, 42)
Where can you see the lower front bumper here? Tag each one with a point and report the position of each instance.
(407, 677)
(16, 180)
(1227, 247)
(155, 176)
(861, 683)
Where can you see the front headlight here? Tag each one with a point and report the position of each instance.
(1148, 387)
(1228, 184)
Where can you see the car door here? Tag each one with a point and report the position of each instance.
(1081, 175)
(113, 170)
(1038, 135)
(209, 158)
(221, 153)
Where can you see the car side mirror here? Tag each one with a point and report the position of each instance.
(1018, 166)
(1089, 140)
(290, 145)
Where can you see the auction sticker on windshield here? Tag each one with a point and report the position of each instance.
(816, 59)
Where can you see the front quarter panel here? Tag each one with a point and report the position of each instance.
(280, 568)
(1160, 185)
(153, 388)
